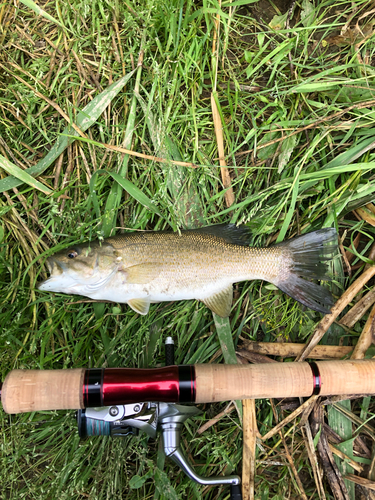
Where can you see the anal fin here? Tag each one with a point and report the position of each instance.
(141, 306)
(221, 302)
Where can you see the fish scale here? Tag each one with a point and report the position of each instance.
(192, 252)
(145, 267)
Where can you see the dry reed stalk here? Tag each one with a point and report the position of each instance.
(225, 177)
(289, 350)
(214, 420)
(250, 431)
(340, 305)
(307, 405)
(145, 157)
(366, 338)
(366, 483)
(358, 310)
(289, 456)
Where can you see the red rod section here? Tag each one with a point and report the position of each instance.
(111, 386)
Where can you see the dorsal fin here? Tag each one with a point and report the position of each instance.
(230, 233)
(237, 235)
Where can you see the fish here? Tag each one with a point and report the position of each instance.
(141, 268)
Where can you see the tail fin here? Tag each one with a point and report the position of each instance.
(308, 256)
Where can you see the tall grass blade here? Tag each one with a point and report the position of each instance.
(114, 197)
(129, 187)
(22, 175)
(85, 119)
(343, 427)
(224, 333)
(188, 207)
(33, 6)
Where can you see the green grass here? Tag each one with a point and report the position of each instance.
(299, 144)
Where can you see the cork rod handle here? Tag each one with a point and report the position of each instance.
(36, 390)
(279, 380)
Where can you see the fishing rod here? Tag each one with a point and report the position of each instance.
(122, 401)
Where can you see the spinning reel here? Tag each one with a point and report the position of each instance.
(149, 417)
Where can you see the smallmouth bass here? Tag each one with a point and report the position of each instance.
(148, 267)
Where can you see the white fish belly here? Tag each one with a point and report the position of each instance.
(157, 292)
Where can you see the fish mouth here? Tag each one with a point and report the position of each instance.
(55, 270)
(62, 280)
(42, 286)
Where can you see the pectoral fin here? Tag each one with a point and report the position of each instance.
(141, 306)
(221, 302)
(141, 273)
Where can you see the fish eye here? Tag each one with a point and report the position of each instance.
(72, 254)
